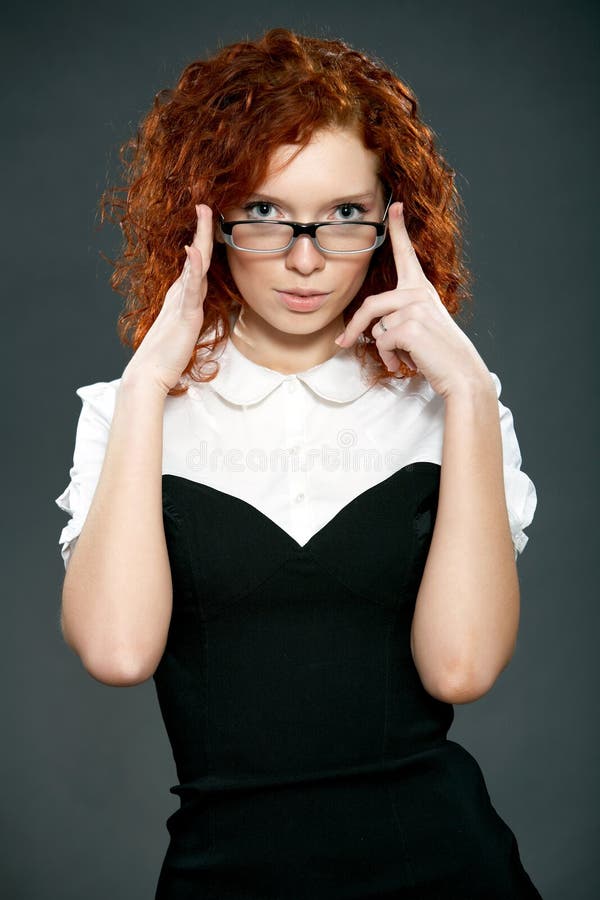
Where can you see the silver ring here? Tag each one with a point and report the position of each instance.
(382, 325)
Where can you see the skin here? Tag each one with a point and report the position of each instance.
(335, 167)
(466, 617)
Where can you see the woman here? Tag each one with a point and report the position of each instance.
(300, 506)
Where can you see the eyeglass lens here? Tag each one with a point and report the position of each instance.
(346, 236)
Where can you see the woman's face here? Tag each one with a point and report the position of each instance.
(333, 178)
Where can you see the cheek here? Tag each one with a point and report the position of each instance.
(356, 270)
(241, 271)
(250, 273)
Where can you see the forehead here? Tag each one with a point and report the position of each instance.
(334, 161)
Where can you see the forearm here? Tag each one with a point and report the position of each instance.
(467, 610)
(117, 594)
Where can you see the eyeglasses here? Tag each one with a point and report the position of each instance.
(275, 235)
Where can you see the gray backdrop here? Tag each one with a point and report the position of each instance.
(511, 90)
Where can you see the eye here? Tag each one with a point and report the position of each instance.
(350, 208)
(263, 209)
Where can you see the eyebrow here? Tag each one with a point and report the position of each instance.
(344, 198)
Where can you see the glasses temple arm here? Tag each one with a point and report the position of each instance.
(383, 218)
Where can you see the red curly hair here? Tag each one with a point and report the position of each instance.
(210, 139)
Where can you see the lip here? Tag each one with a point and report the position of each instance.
(303, 292)
(302, 300)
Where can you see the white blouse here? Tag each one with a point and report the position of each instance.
(297, 447)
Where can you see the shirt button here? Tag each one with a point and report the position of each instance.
(299, 497)
(294, 450)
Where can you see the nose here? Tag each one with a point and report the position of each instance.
(304, 257)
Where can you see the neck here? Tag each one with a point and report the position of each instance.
(281, 351)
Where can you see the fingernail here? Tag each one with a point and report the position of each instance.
(187, 250)
(340, 338)
(197, 209)
(402, 209)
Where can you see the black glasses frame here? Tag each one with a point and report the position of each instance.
(308, 228)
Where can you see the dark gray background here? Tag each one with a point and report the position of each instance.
(511, 91)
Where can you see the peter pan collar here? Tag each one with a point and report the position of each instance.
(241, 381)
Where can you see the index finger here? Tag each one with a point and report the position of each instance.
(198, 256)
(408, 267)
(203, 237)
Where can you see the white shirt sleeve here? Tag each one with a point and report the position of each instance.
(91, 438)
(521, 497)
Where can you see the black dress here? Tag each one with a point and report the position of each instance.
(313, 764)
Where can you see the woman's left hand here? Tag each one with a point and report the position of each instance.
(420, 330)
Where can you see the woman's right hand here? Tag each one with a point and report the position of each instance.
(169, 343)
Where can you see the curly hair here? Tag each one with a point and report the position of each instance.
(210, 139)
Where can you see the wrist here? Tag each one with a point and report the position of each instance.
(473, 401)
(140, 383)
(472, 388)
